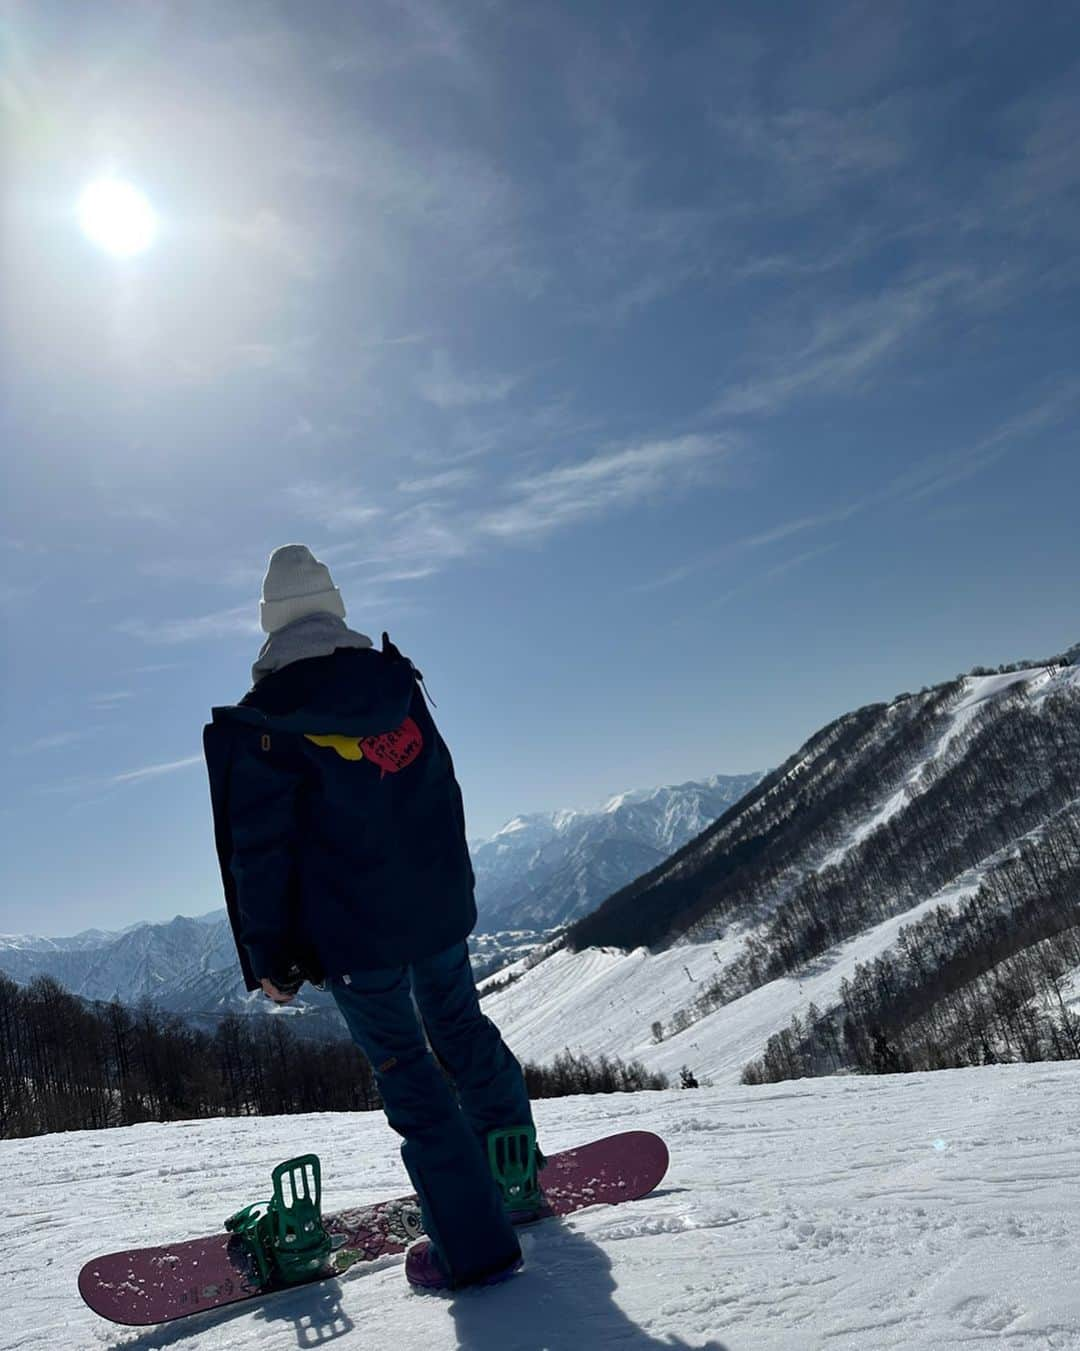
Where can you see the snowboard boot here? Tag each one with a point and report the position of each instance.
(515, 1161)
(424, 1269)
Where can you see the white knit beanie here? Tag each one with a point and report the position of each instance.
(296, 584)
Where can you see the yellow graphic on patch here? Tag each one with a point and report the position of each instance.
(348, 747)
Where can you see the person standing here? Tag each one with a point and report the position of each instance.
(340, 833)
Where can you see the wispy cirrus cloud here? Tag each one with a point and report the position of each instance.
(848, 342)
(448, 479)
(376, 590)
(939, 473)
(773, 535)
(53, 741)
(446, 387)
(333, 506)
(762, 577)
(810, 149)
(154, 771)
(110, 700)
(631, 245)
(198, 565)
(239, 620)
(934, 475)
(283, 242)
(541, 503)
(423, 537)
(518, 427)
(750, 580)
(291, 357)
(798, 561)
(85, 783)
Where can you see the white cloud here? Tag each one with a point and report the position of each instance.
(446, 388)
(58, 740)
(435, 483)
(798, 561)
(291, 357)
(572, 492)
(283, 243)
(334, 506)
(105, 702)
(773, 535)
(83, 783)
(849, 340)
(154, 771)
(427, 536)
(939, 473)
(815, 146)
(240, 620)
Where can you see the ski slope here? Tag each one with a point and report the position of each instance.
(1038, 683)
(922, 1212)
(603, 999)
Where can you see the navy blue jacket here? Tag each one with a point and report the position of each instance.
(338, 820)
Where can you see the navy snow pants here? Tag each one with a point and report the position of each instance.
(444, 1149)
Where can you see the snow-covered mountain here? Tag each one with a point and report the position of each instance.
(544, 869)
(906, 888)
(188, 966)
(923, 1212)
(536, 873)
(144, 960)
(901, 892)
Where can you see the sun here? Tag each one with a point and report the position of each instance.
(117, 217)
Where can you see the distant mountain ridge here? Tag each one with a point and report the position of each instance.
(188, 966)
(536, 873)
(545, 869)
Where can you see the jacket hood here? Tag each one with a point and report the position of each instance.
(352, 692)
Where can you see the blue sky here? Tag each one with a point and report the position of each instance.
(667, 380)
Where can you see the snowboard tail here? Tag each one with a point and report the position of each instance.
(142, 1286)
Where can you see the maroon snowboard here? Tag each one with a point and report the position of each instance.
(156, 1285)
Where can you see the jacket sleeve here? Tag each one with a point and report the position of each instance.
(263, 806)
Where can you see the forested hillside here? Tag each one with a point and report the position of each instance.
(969, 792)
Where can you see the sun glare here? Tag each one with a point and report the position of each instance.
(117, 217)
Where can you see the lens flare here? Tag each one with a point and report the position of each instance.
(117, 217)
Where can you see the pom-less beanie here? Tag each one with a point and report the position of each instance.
(296, 584)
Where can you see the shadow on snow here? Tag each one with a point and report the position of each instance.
(564, 1299)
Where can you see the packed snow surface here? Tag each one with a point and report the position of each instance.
(910, 1212)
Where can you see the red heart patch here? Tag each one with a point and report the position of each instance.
(394, 750)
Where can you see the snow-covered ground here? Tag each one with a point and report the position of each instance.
(912, 1212)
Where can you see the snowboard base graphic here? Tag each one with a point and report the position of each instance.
(142, 1286)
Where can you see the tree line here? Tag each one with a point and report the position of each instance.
(982, 982)
(69, 1064)
(765, 862)
(1010, 771)
(745, 859)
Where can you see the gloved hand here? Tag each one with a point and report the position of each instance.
(283, 986)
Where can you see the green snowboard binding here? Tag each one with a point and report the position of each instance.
(513, 1157)
(285, 1235)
